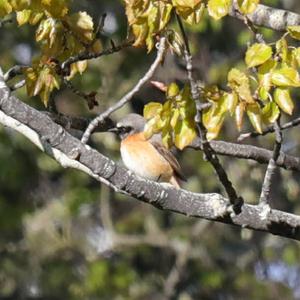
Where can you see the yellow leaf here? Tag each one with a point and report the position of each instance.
(270, 113)
(282, 49)
(248, 6)
(231, 100)
(239, 115)
(218, 8)
(286, 77)
(174, 118)
(185, 133)
(172, 90)
(239, 82)
(5, 8)
(254, 114)
(190, 10)
(294, 31)
(152, 109)
(257, 54)
(283, 99)
(82, 26)
(23, 16)
(213, 119)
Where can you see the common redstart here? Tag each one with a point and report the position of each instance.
(148, 158)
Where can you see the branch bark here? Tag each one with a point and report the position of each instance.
(269, 17)
(70, 152)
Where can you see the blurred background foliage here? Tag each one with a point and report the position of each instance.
(63, 236)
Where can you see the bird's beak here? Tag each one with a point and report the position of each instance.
(114, 130)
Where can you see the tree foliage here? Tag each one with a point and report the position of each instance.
(62, 240)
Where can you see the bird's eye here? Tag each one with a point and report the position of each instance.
(126, 129)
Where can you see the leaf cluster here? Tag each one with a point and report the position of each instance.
(147, 18)
(59, 35)
(174, 119)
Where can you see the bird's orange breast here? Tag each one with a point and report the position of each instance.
(141, 157)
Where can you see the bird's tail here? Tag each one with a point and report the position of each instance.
(175, 181)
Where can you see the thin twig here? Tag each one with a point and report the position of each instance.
(269, 129)
(266, 188)
(13, 72)
(130, 94)
(210, 154)
(257, 36)
(65, 66)
(17, 85)
(101, 24)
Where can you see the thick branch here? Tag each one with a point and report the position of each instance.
(70, 152)
(257, 154)
(265, 16)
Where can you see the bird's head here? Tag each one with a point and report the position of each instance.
(132, 123)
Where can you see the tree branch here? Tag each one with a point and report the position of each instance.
(265, 16)
(260, 155)
(65, 66)
(70, 152)
(266, 188)
(270, 129)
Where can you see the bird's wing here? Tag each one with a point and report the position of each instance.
(168, 155)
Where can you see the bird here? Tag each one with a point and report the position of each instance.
(148, 158)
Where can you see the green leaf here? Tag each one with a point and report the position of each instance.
(270, 113)
(294, 31)
(152, 109)
(283, 99)
(254, 115)
(286, 77)
(218, 8)
(247, 6)
(257, 54)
